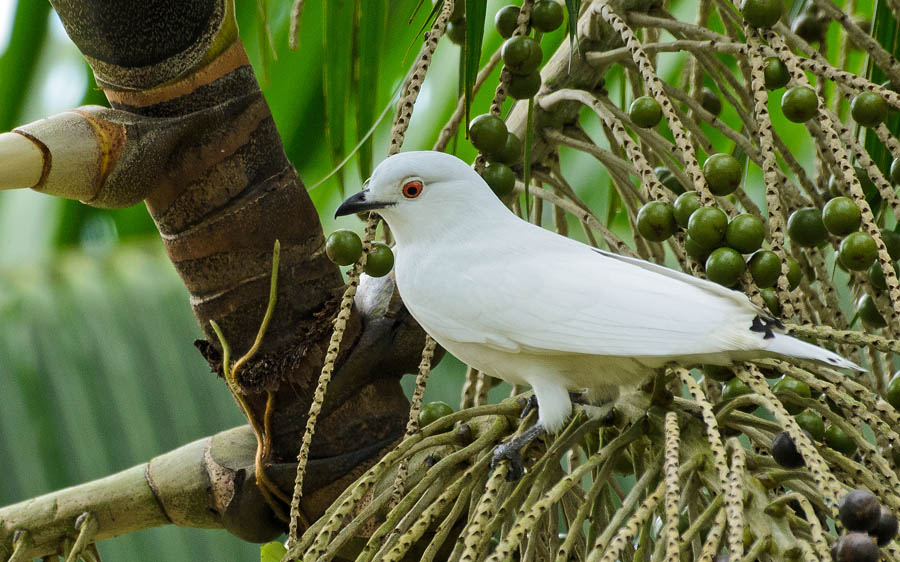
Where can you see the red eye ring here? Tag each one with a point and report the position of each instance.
(412, 189)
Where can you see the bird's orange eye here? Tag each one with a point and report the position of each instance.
(412, 189)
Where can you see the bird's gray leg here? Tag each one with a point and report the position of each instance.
(530, 404)
(511, 451)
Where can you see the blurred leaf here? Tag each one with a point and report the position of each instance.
(336, 65)
(264, 35)
(272, 552)
(475, 13)
(370, 40)
(18, 62)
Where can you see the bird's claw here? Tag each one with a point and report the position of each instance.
(511, 453)
(530, 404)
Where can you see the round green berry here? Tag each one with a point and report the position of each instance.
(685, 205)
(696, 251)
(771, 299)
(521, 54)
(459, 12)
(762, 13)
(343, 247)
(656, 221)
(734, 388)
(839, 441)
(876, 275)
(511, 153)
(858, 251)
(456, 32)
(524, 87)
(505, 20)
(799, 104)
(380, 260)
(434, 411)
(745, 233)
(805, 227)
(892, 392)
(841, 216)
(710, 101)
(723, 173)
(765, 267)
(668, 179)
(724, 266)
(645, 112)
(811, 422)
(707, 226)
(891, 242)
(488, 133)
(500, 178)
(775, 73)
(868, 109)
(794, 273)
(809, 27)
(895, 171)
(868, 312)
(793, 386)
(546, 15)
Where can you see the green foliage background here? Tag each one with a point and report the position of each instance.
(97, 367)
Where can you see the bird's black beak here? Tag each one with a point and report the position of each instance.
(357, 203)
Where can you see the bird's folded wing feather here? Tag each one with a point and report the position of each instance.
(560, 296)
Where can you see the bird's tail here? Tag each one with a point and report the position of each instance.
(792, 347)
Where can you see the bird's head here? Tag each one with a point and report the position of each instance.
(418, 192)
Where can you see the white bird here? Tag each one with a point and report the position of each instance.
(529, 306)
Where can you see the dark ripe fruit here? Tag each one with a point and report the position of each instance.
(685, 205)
(718, 373)
(895, 171)
(775, 73)
(805, 227)
(799, 104)
(456, 32)
(868, 312)
(841, 216)
(855, 547)
(734, 388)
(745, 233)
(645, 112)
(785, 452)
(710, 101)
(696, 251)
(787, 385)
(656, 221)
(343, 247)
(892, 393)
(839, 441)
(886, 529)
(876, 275)
(499, 178)
(762, 13)
(724, 266)
(812, 423)
(771, 299)
(723, 173)
(546, 15)
(707, 226)
(524, 87)
(521, 55)
(380, 260)
(858, 251)
(505, 20)
(765, 267)
(891, 242)
(868, 109)
(794, 273)
(511, 153)
(432, 412)
(859, 510)
(488, 133)
(809, 27)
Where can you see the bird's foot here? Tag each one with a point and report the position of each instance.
(511, 451)
(528, 404)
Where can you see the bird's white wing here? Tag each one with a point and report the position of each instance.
(543, 293)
